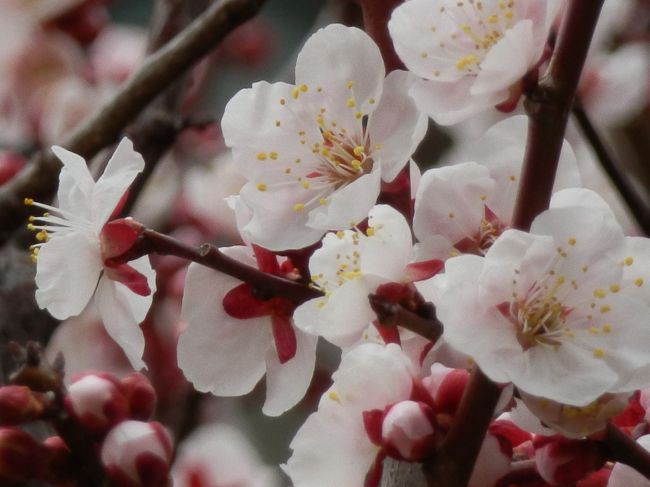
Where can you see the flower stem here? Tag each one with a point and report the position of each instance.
(621, 448)
(393, 314)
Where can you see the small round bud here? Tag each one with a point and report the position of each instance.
(97, 402)
(19, 404)
(408, 431)
(22, 458)
(140, 394)
(137, 454)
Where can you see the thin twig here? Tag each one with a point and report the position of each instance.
(393, 314)
(637, 206)
(548, 109)
(621, 448)
(104, 127)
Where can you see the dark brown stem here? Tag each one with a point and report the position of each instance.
(548, 110)
(104, 127)
(376, 14)
(393, 314)
(621, 448)
(626, 189)
(265, 285)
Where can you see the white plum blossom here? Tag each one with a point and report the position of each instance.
(472, 55)
(463, 208)
(232, 339)
(557, 311)
(315, 153)
(352, 264)
(77, 242)
(332, 447)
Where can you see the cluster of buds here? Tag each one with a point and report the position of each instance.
(102, 423)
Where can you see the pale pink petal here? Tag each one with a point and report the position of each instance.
(287, 383)
(122, 311)
(397, 124)
(75, 182)
(67, 271)
(123, 166)
(219, 353)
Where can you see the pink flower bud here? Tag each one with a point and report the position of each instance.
(19, 404)
(97, 402)
(137, 454)
(60, 469)
(561, 461)
(140, 394)
(408, 431)
(21, 456)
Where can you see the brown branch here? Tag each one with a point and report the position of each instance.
(265, 285)
(376, 14)
(548, 110)
(621, 448)
(104, 127)
(635, 203)
(393, 314)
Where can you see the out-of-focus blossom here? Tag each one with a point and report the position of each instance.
(554, 311)
(73, 263)
(218, 454)
(471, 55)
(117, 52)
(561, 461)
(244, 336)
(314, 153)
(137, 454)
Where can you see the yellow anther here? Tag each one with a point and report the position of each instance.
(42, 236)
(638, 282)
(333, 396)
(371, 101)
(370, 231)
(350, 103)
(303, 87)
(261, 156)
(282, 101)
(377, 146)
(605, 309)
(340, 234)
(273, 155)
(358, 115)
(507, 14)
(350, 85)
(559, 280)
(599, 352)
(600, 293)
(322, 201)
(492, 19)
(30, 227)
(451, 215)
(355, 164)
(295, 92)
(261, 186)
(466, 61)
(277, 123)
(358, 150)
(305, 184)
(594, 331)
(28, 201)
(628, 261)
(607, 328)
(298, 207)
(572, 241)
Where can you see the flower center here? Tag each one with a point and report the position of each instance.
(539, 318)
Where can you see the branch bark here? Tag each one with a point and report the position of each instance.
(376, 14)
(104, 127)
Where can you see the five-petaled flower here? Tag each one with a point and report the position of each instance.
(77, 244)
(471, 54)
(315, 153)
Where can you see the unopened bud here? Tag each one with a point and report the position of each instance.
(19, 404)
(137, 454)
(408, 431)
(97, 402)
(22, 458)
(140, 394)
(561, 461)
(61, 469)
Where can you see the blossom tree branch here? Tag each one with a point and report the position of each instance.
(621, 448)
(548, 108)
(630, 195)
(104, 127)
